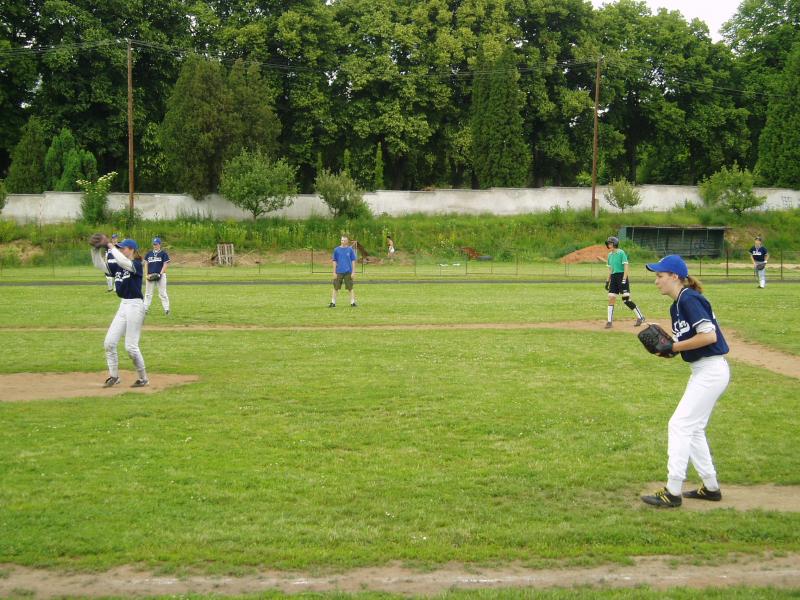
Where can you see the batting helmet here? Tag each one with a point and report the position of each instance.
(614, 241)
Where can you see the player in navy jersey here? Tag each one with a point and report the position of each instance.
(156, 263)
(127, 271)
(700, 342)
(759, 255)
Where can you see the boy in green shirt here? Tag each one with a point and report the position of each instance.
(617, 282)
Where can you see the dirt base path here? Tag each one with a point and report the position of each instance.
(23, 387)
(656, 572)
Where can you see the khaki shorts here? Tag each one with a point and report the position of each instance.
(346, 277)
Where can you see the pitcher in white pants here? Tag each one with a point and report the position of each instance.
(128, 272)
(700, 342)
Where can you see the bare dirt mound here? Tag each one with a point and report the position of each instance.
(596, 253)
(779, 498)
(660, 572)
(24, 387)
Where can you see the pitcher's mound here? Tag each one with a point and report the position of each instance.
(22, 387)
(596, 253)
(779, 498)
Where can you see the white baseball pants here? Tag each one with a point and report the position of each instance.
(162, 292)
(687, 427)
(128, 322)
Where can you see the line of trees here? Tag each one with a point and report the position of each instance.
(403, 94)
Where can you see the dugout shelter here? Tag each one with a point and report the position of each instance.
(686, 241)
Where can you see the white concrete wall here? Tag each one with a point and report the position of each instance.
(54, 207)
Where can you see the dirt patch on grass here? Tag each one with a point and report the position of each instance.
(25, 387)
(658, 572)
(778, 498)
(596, 253)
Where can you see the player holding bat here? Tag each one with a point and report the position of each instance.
(699, 341)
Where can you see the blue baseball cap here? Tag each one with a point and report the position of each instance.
(156, 240)
(128, 244)
(114, 236)
(670, 264)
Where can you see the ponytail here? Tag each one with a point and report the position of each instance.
(692, 283)
(136, 255)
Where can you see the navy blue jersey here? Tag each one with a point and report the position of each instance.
(127, 285)
(687, 312)
(344, 257)
(759, 254)
(156, 261)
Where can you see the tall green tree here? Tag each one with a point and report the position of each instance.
(196, 132)
(65, 163)
(26, 174)
(779, 145)
(254, 125)
(500, 156)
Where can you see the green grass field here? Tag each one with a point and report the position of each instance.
(355, 446)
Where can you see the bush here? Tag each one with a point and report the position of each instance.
(95, 198)
(3, 194)
(731, 189)
(341, 194)
(621, 194)
(258, 185)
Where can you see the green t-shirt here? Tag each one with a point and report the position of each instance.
(617, 259)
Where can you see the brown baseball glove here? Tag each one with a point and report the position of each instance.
(98, 240)
(657, 341)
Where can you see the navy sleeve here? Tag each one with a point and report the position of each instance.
(166, 257)
(694, 311)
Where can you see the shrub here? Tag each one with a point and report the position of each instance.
(3, 194)
(95, 198)
(341, 194)
(258, 185)
(621, 194)
(731, 189)
(26, 173)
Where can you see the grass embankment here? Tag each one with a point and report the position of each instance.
(529, 238)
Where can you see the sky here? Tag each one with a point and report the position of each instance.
(713, 12)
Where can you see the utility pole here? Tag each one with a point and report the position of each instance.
(595, 207)
(130, 132)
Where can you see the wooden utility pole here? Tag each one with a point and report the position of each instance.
(130, 132)
(595, 207)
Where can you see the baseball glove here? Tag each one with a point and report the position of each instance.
(154, 277)
(98, 240)
(760, 266)
(607, 285)
(657, 341)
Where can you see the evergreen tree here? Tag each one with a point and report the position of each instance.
(500, 156)
(379, 184)
(196, 130)
(254, 125)
(26, 174)
(62, 144)
(779, 144)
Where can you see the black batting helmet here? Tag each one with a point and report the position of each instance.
(614, 241)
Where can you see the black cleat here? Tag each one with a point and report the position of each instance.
(111, 382)
(638, 322)
(608, 325)
(140, 383)
(353, 305)
(703, 493)
(332, 305)
(662, 499)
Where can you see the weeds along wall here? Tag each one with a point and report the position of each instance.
(58, 207)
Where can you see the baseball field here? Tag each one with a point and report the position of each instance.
(446, 435)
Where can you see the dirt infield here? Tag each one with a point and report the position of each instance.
(25, 387)
(660, 572)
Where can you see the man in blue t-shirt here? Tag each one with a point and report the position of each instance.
(759, 255)
(344, 258)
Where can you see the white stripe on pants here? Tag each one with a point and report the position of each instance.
(127, 321)
(162, 292)
(687, 427)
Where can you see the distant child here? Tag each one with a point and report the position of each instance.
(618, 282)
(156, 263)
(759, 255)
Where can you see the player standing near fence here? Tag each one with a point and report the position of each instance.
(617, 282)
(343, 258)
(156, 263)
(700, 343)
(110, 260)
(128, 272)
(759, 255)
